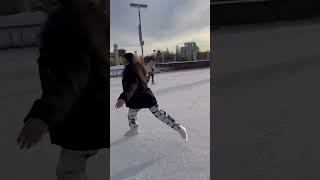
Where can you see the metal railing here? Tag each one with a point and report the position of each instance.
(20, 36)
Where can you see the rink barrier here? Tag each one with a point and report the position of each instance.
(116, 71)
(19, 36)
(184, 65)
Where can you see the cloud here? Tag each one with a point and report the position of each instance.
(200, 36)
(165, 24)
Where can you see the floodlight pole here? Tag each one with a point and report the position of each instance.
(139, 6)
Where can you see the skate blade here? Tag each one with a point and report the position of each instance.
(184, 135)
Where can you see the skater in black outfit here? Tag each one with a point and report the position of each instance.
(73, 107)
(136, 95)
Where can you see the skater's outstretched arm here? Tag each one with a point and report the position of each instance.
(62, 81)
(60, 89)
(61, 86)
(129, 88)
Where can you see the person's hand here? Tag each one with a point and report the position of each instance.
(31, 133)
(119, 103)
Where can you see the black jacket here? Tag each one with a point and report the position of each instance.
(75, 93)
(136, 93)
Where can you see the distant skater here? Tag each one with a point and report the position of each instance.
(153, 68)
(136, 95)
(150, 67)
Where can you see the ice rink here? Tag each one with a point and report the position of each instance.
(157, 153)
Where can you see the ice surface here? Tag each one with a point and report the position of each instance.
(20, 87)
(158, 152)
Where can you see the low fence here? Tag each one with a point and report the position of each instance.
(170, 66)
(19, 36)
(185, 65)
(116, 70)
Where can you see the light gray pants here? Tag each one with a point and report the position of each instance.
(160, 114)
(72, 165)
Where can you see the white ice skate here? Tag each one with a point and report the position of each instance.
(132, 131)
(183, 132)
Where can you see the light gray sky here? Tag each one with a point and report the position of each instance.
(165, 24)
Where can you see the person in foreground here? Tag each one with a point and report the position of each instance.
(73, 107)
(136, 95)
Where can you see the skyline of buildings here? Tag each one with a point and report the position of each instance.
(189, 52)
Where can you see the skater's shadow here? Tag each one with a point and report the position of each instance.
(119, 141)
(134, 170)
